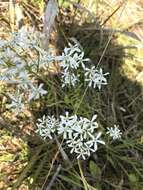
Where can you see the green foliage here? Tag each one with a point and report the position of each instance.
(95, 170)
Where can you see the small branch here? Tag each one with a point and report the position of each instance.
(54, 177)
(64, 155)
(49, 20)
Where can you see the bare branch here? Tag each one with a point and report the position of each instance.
(49, 20)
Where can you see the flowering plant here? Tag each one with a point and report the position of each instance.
(23, 62)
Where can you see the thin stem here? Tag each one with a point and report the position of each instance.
(81, 100)
(82, 176)
(110, 37)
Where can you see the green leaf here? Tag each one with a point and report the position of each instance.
(94, 170)
(133, 178)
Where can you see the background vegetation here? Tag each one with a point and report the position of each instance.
(111, 34)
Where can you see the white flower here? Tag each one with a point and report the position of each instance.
(17, 104)
(94, 140)
(114, 132)
(3, 78)
(65, 125)
(21, 38)
(46, 126)
(68, 119)
(75, 47)
(15, 70)
(2, 43)
(24, 80)
(9, 53)
(36, 92)
(78, 147)
(69, 62)
(73, 144)
(73, 57)
(69, 79)
(83, 128)
(83, 149)
(80, 134)
(91, 124)
(95, 77)
(88, 149)
(1, 61)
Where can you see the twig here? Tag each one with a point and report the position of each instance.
(110, 37)
(54, 177)
(106, 20)
(64, 155)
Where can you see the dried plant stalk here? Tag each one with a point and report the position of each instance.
(12, 13)
(49, 20)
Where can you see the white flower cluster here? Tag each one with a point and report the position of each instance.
(71, 60)
(81, 134)
(17, 104)
(22, 60)
(114, 132)
(47, 126)
(95, 77)
(18, 62)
